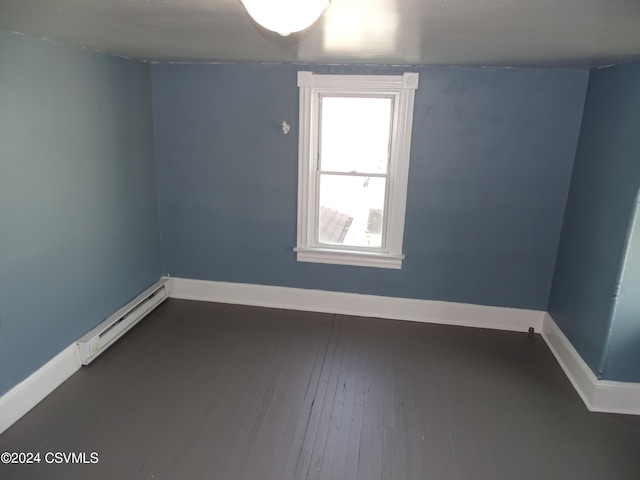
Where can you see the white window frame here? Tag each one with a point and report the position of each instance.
(312, 86)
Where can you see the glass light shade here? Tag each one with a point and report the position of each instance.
(285, 16)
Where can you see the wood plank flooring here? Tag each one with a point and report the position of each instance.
(211, 391)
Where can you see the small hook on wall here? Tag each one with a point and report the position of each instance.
(285, 127)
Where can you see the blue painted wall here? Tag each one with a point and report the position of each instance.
(491, 162)
(623, 356)
(605, 180)
(79, 234)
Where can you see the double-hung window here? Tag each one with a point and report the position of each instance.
(353, 167)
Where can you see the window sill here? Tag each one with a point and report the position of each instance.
(349, 257)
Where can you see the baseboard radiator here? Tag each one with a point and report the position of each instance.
(104, 335)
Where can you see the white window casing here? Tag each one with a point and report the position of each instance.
(401, 88)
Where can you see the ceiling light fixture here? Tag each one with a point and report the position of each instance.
(285, 16)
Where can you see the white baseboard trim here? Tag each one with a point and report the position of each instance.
(32, 390)
(448, 313)
(598, 395)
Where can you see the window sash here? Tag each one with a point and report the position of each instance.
(316, 238)
(390, 124)
(318, 97)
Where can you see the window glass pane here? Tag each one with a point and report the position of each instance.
(351, 210)
(354, 135)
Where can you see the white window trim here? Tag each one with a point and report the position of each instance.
(402, 87)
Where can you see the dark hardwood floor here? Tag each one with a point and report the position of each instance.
(210, 391)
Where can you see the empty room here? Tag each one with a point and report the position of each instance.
(320, 239)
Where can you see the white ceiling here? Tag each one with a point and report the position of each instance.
(540, 33)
